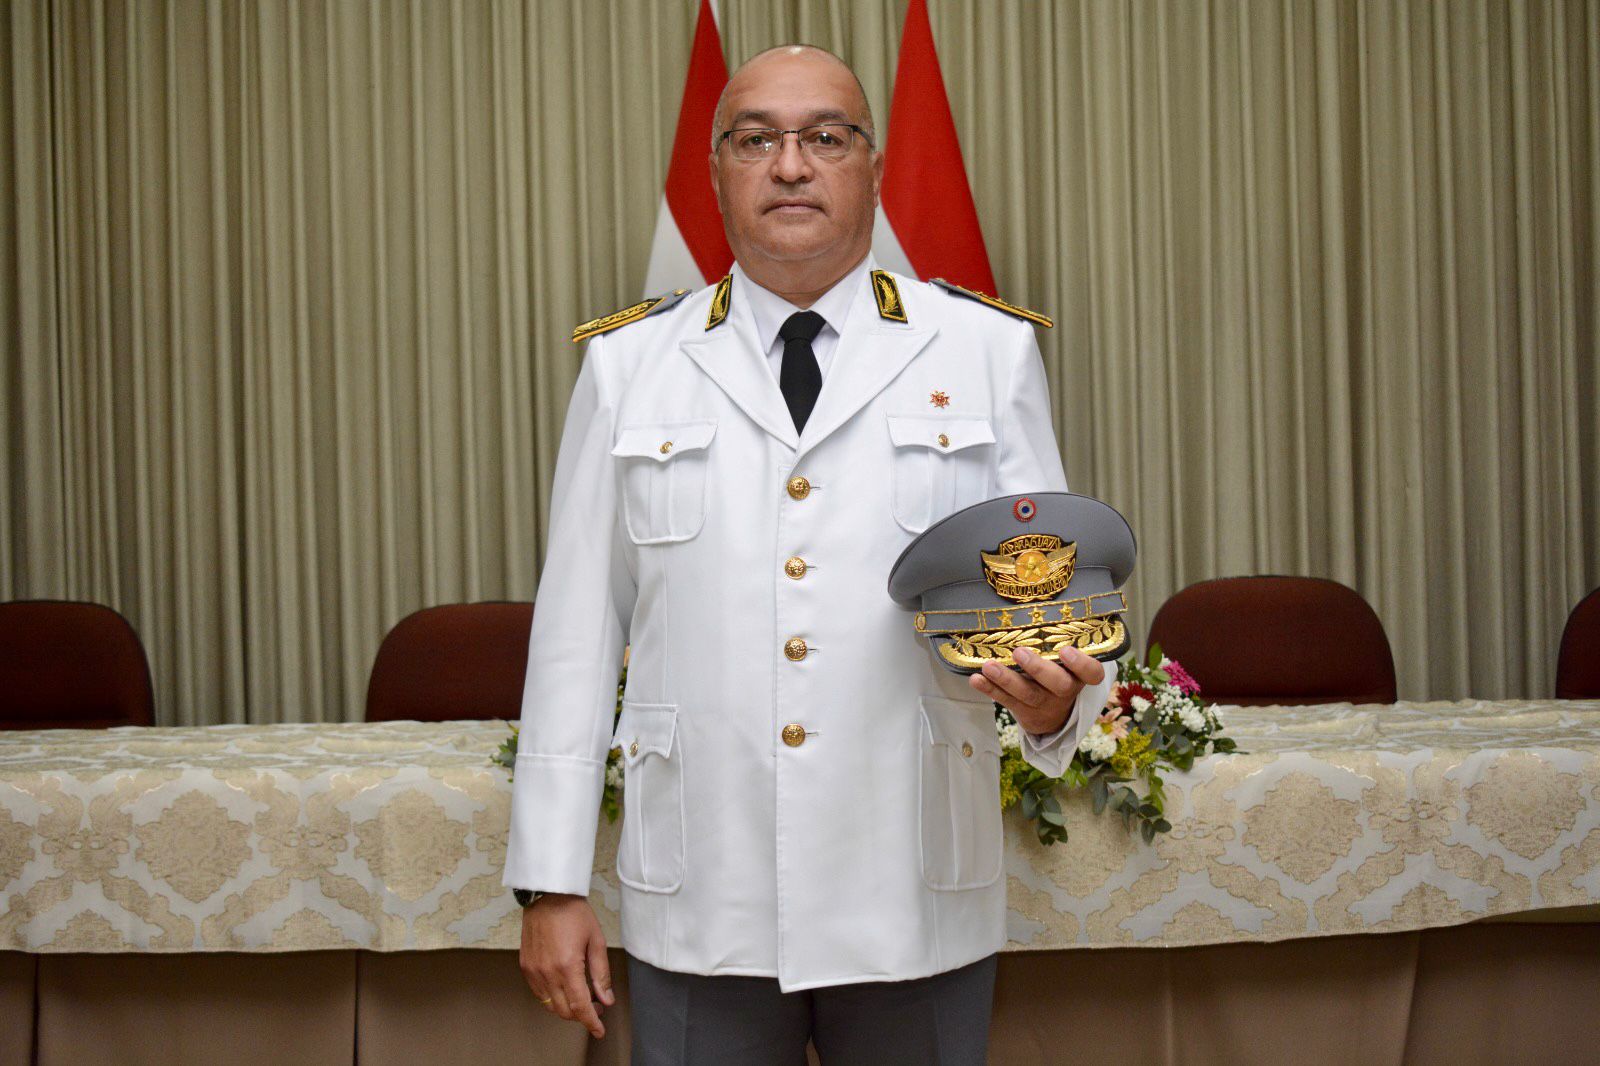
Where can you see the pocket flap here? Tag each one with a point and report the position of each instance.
(645, 728)
(925, 430)
(663, 440)
(958, 722)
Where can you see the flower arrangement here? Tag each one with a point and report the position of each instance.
(1154, 718)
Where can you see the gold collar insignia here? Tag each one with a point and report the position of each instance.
(721, 302)
(888, 295)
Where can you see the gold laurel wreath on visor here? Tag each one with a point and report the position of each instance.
(1025, 569)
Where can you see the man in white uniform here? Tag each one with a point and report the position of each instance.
(811, 837)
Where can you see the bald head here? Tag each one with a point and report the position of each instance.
(779, 57)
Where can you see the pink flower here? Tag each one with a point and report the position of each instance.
(1181, 679)
(1114, 723)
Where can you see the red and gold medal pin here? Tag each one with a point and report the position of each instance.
(938, 398)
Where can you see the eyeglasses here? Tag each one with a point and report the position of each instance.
(826, 140)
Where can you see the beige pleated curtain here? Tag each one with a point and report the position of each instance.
(285, 291)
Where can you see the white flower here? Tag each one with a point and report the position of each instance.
(1010, 738)
(614, 774)
(1098, 744)
(1192, 719)
(1140, 704)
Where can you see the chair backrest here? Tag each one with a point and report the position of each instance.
(459, 660)
(66, 664)
(1272, 639)
(1578, 663)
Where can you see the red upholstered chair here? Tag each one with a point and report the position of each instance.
(1270, 639)
(71, 665)
(1578, 665)
(460, 660)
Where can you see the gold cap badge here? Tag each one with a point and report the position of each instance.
(1033, 566)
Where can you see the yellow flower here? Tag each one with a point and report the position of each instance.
(1009, 793)
(1133, 754)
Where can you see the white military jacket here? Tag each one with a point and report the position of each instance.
(799, 799)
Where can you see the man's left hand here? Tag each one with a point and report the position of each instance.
(1042, 695)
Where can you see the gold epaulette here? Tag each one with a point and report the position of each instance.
(643, 309)
(995, 302)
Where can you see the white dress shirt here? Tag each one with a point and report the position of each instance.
(771, 311)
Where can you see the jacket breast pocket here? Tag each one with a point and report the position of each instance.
(663, 470)
(650, 848)
(941, 464)
(959, 794)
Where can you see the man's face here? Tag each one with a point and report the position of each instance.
(791, 208)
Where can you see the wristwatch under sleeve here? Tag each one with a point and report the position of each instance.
(525, 896)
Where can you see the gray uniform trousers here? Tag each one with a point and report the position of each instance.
(685, 1019)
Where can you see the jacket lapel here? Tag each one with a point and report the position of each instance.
(871, 353)
(729, 355)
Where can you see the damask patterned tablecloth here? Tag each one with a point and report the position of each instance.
(1338, 819)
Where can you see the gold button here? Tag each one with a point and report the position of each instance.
(795, 567)
(633, 749)
(666, 446)
(794, 734)
(795, 648)
(799, 487)
(944, 441)
(966, 748)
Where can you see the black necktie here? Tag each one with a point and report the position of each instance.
(801, 378)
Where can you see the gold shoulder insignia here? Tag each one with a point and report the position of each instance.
(995, 302)
(643, 309)
(888, 294)
(721, 301)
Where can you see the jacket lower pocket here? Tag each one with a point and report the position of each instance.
(959, 794)
(650, 850)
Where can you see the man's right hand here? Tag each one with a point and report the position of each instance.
(560, 934)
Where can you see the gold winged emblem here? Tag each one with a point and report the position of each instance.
(1033, 566)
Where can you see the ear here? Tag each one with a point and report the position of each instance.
(877, 175)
